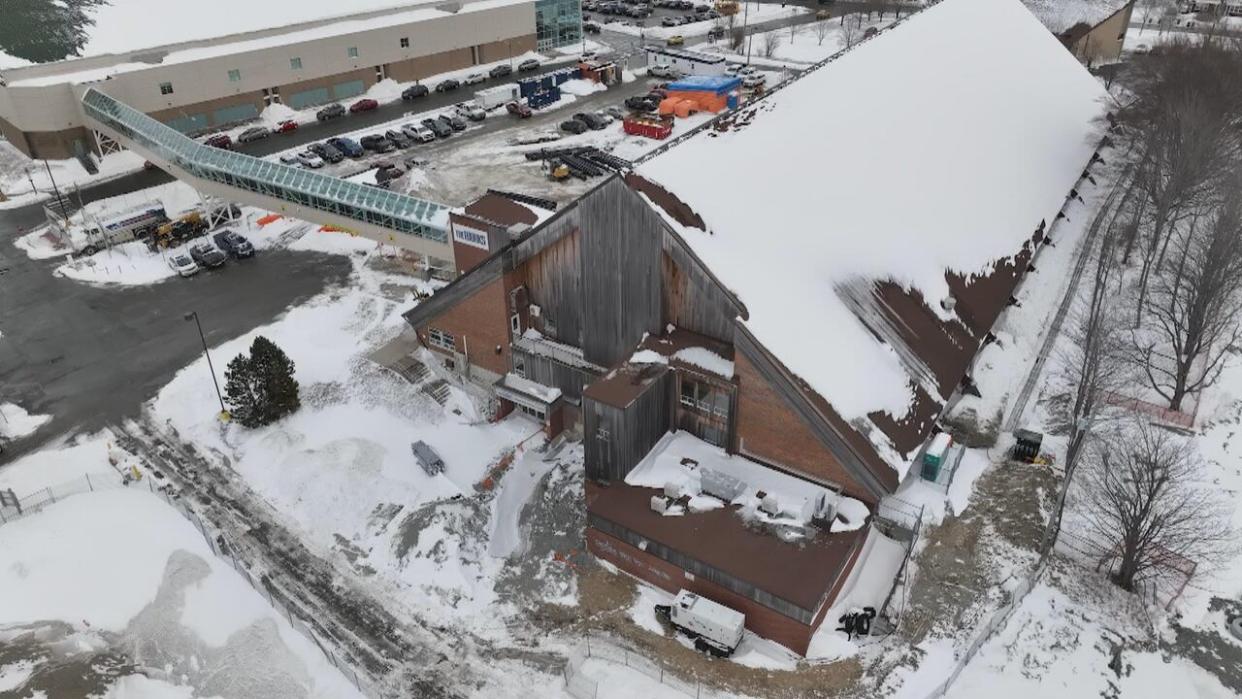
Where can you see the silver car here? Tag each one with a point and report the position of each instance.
(310, 160)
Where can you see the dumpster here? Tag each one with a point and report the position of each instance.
(934, 456)
(427, 458)
(658, 129)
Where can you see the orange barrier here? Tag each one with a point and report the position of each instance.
(270, 218)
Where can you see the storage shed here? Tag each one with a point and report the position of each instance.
(708, 93)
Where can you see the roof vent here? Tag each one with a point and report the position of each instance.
(949, 303)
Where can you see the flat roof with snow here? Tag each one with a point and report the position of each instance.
(938, 146)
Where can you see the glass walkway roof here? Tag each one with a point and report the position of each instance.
(380, 207)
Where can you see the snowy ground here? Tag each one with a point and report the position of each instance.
(119, 583)
(15, 422)
(797, 45)
(18, 171)
(754, 11)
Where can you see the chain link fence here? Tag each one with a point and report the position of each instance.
(13, 508)
(581, 686)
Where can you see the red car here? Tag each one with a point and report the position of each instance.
(286, 126)
(220, 140)
(518, 109)
(363, 106)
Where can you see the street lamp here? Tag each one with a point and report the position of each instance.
(193, 315)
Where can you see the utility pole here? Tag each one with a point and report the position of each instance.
(194, 316)
(64, 212)
(745, 25)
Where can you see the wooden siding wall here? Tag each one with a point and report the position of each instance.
(549, 372)
(632, 431)
(554, 283)
(620, 256)
(692, 300)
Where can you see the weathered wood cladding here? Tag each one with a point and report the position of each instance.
(616, 439)
(554, 283)
(620, 255)
(693, 300)
(549, 372)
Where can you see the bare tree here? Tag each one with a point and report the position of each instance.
(1092, 365)
(1196, 298)
(771, 42)
(1146, 503)
(851, 29)
(822, 30)
(737, 38)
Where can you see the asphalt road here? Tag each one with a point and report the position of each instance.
(92, 356)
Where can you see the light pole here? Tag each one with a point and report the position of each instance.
(193, 315)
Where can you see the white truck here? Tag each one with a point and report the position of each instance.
(118, 228)
(496, 96)
(714, 627)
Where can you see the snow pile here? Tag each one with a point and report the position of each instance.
(15, 422)
(581, 87)
(1004, 130)
(108, 561)
(648, 357)
(706, 359)
(127, 264)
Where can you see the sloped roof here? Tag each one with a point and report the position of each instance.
(916, 167)
(1062, 15)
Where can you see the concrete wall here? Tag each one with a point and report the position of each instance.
(202, 85)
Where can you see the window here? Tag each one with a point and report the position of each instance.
(441, 339)
(537, 414)
(295, 63)
(352, 51)
(166, 88)
(515, 324)
(519, 367)
(704, 398)
(405, 42)
(234, 76)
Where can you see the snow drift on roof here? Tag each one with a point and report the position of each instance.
(1060, 15)
(939, 145)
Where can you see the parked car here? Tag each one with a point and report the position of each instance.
(348, 146)
(206, 255)
(440, 129)
(528, 65)
(363, 105)
(220, 140)
(447, 85)
(669, 22)
(593, 121)
(591, 28)
(182, 264)
(754, 80)
(518, 110)
(663, 71)
(398, 138)
(573, 126)
(289, 158)
(414, 92)
(615, 112)
(676, 40)
(419, 133)
(473, 112)
(453, 121)
(474, 79)
(252, 134)
(388, 173)
(309, 160)
(286, 126)
(332, 111)
(233, 244)
(642, 103)
(604, 116)
(501, 70)
(376, 142)
(715, 34)
(327, 151)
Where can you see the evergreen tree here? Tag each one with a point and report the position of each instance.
(45, 30)
(260, 387)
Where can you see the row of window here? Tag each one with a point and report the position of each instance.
(295, 63)
(441, 339)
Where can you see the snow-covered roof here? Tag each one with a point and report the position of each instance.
(1061, 15)
(938, 146)
(117, 24)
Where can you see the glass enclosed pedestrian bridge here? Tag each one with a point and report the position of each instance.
(238, 173)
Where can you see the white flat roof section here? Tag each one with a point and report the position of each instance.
(230, 21)
(939, 145)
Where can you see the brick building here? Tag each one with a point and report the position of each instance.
(753, 353)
